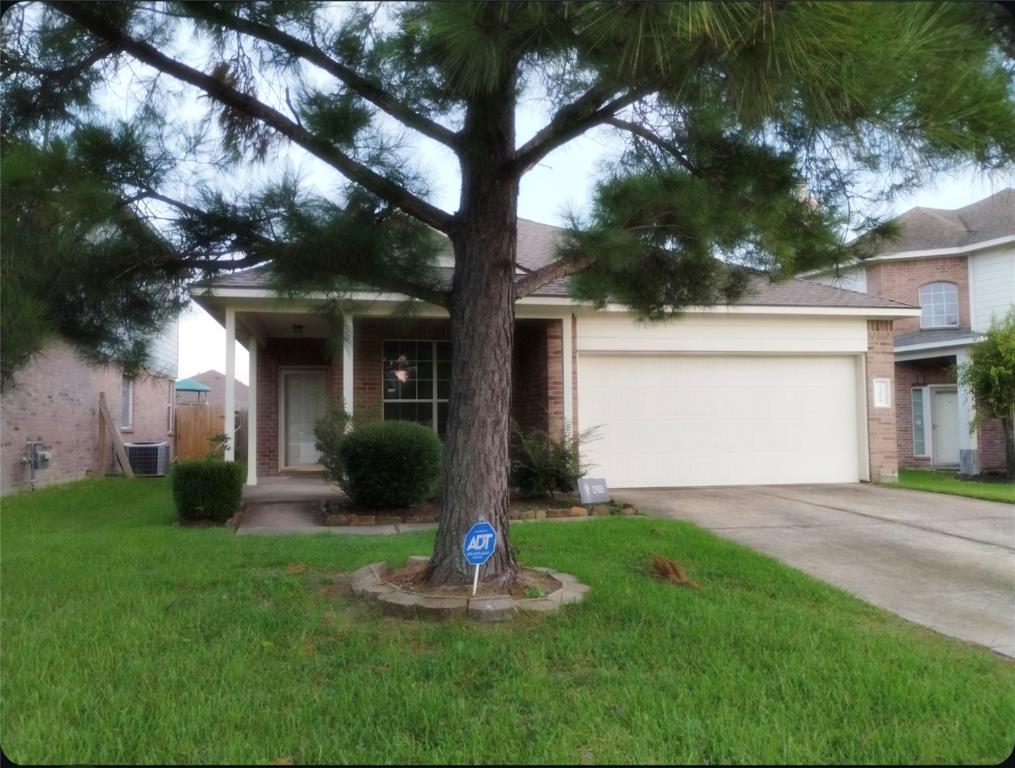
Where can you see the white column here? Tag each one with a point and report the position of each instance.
(968, 460)
(347, 362)
(230, 404)
(566, 352)
(252, 413)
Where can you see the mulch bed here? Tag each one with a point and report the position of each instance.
(343, 512)
(529, 584)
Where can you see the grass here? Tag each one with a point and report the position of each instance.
(947, 482)
(127, 639)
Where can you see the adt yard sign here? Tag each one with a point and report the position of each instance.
(478, 546)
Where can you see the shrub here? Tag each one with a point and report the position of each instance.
(207, 489)
(390, 464)
(542, 465)
(331, 430)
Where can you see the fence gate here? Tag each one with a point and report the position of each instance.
(195, 424)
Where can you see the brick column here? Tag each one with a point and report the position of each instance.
(882, 444)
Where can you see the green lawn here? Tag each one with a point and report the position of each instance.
(127, 639)
(946, 482)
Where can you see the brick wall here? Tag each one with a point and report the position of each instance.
(901, 280)
(990, 446)
(56, 399)
(881, 421)
(278, 354)
(529, 377)
(555, 377)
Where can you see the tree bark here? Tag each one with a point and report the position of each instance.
(476, 471)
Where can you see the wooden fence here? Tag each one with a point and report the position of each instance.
(196, 423)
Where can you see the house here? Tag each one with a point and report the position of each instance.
(213, 385)
(55, 401)
(958, 266)
(791, 385)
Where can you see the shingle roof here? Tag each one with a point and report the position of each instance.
(932, 228)
(933, 336)
(537, 246)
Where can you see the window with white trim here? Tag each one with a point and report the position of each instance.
(417, 382)
(920, 402)
(169, 407)
(127, 404)
(939, 305)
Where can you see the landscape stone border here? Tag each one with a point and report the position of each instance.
(328, 516)
(371, 582)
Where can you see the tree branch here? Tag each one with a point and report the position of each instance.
(571, 121)
(669, 147)
(355, 171)
(545, 275)
(353, 80)
(272, 248)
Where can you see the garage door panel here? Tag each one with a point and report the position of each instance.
(677, 420)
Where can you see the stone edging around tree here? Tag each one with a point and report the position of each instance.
(371, 581)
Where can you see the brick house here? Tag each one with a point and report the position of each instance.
(791, 385)
(55, 400)
(958, 266)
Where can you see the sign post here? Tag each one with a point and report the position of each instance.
(479, 544)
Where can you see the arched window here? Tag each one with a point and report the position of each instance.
(939, 305)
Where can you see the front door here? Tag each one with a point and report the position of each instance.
(305, 400)
(946, 427)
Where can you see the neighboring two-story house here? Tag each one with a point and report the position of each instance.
(55, 400)
(958, 266)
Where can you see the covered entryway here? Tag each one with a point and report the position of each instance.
(692, 420)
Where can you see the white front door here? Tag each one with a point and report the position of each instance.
(304, 401)
(945, 423)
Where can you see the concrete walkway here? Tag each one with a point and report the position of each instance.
(946, 562)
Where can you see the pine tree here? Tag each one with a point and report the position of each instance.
(748, 128)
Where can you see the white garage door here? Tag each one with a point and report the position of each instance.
(672, 420)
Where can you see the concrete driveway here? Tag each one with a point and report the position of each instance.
(946, 562)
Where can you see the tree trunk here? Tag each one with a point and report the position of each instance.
(475, 472)
(1008, 426)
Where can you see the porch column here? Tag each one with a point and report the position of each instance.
(969, 463)
(252, 412)
(567, 344)
(230, 409)
(347, 363)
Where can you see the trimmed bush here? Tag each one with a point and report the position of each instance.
(390, 464)
(207, 489)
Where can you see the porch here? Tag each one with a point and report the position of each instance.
(935, 411)
(375, 366)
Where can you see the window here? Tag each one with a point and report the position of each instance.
(169, 407)
(417, 381)
(919, 422)
(127, 404)
(939, 305)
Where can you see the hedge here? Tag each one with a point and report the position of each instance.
(207, 489)
(391, 464)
